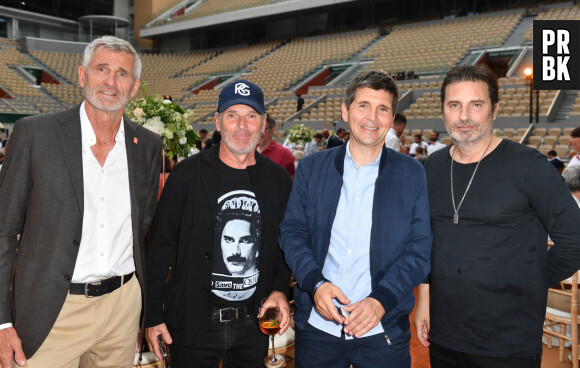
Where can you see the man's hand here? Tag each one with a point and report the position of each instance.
(363, 317)
(151, 333)
(422, 317)
(11, 348)
(277, 300)
(324, 304)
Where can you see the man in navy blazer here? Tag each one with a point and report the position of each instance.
(79, 187)
(356, 235)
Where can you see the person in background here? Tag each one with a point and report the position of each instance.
(434, 143)
(555, 160)
(201, 143)
(336, 140)
(274, 151)
(575, 144)
(299, 103)
(394, 134)
(572, 178)
(418, 142)
(314, 145)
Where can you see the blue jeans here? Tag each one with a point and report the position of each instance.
(315, 348)
(239, 343)
(446, 358)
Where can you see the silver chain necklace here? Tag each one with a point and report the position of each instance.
(456, 209)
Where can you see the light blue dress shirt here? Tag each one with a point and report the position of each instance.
(347, 264)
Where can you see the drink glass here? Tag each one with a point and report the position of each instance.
(270, 325)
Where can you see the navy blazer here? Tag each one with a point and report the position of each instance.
(401, 235)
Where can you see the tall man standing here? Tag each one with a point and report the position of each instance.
(356, 236)
(79, 187)
(491, 215)
(216, 226)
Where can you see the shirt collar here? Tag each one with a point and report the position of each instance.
(350, 160)
(88, 134)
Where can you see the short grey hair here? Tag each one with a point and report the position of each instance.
(572, 177)
(114, 44)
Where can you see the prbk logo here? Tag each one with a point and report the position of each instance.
(556, 54)
(242, 89)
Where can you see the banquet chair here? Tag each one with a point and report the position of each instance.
(562, 311)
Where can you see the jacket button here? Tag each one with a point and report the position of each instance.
(76, 243)
(208, 255)
(205, 290)
(66, 277)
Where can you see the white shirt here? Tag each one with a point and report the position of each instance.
(392, 141)
(106, 247)
(574, 161)
(310, 148)
(434, 147)
(415, 145)
(291, 146)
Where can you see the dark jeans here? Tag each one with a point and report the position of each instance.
(315, 348)
(445, 358)
(239, 343)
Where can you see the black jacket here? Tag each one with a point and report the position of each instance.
(183, 239)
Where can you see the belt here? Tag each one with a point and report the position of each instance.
(229, 314)
(101, 287)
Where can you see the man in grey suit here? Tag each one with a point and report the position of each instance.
(80, 188)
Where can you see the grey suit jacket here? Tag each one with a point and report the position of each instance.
(41, 198)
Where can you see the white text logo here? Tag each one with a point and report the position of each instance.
(242, 89)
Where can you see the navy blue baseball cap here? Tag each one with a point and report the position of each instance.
(242, 92)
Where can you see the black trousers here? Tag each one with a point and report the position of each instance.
(239, 343)
(445, 358)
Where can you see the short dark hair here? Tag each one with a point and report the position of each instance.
(473, 73)
(419, 136)
(575, 132)
(340, 130)
(318, 135)
(203, 130)
(270, 121)
(436, 133)
(375, 80)
(400, 119)
(552, 153)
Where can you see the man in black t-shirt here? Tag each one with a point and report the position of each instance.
(216, 230)
(492, 203)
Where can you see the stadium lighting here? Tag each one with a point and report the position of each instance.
(529, 74)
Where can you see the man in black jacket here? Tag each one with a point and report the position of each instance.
(216, 229)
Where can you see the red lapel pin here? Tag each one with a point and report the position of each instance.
(135, 140)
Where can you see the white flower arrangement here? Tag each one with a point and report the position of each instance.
(167, 119)
(300, 134)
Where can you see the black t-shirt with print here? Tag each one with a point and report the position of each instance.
(237, 239)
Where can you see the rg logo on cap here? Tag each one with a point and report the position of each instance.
(242, 89)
